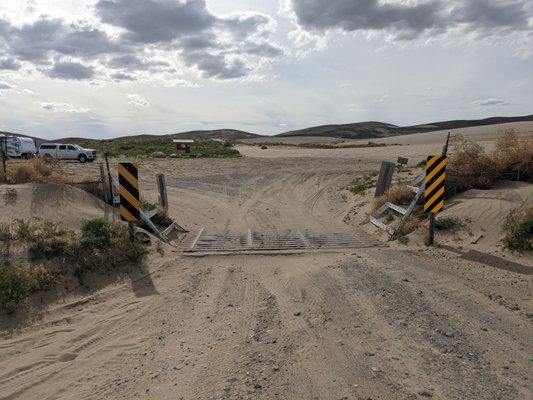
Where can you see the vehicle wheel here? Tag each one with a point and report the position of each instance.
(47, 158)
(82, 158)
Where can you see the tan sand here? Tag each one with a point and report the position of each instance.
(384, 323)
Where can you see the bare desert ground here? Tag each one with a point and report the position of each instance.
(387, 322)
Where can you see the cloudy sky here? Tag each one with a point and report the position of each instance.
(102, 68)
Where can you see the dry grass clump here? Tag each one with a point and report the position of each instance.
(475, 167)
(518, 229)
(512, 158)
(399, 195)
(514, 155)
(36, 170)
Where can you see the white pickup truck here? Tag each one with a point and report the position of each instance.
(67, 152)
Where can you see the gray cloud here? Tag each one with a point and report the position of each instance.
(45, 37)
(132, 62)
(410, 20)
(219, 46)
(5, 85)
(216, 66)
(9, 64)
(490, 102)
(151, 21)
(69, 71)
(120, 76)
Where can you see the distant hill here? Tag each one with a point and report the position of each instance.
(359, 130)
(224, 134)
(369, 130)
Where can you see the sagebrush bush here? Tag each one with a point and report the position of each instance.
(446, 223)
(15, 287)
(518, 229)
(105, 245)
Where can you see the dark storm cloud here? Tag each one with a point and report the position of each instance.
(222, 47)
(409, 20)
(69, 71)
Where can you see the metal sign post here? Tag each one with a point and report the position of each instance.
(434, 190)
(130, 203)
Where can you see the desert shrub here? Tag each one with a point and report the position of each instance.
(514, 155)
(147, 206)
(42, 278)
(10, 194)
(360, 185)
(105, 245)
(95, 232)
(161, 219)
(518, 229)
(446, 223)
(14, 287)
(5, 232)
(45, 239)
(400, 195)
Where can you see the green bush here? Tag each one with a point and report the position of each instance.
(46, 239)
(105, 245)
(360, 185)
(446, 223)
(14, 287)
(95, 233)
(518, 229)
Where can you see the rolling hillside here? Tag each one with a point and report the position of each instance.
(369, 130)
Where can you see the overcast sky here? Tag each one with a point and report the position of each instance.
(103, 68)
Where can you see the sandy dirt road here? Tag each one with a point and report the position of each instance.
(377, 323)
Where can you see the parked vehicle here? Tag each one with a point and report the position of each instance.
(67, 152)
(18, 147)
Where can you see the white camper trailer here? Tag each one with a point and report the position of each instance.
(18, 147)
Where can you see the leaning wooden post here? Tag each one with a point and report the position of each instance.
(112, 195)
(162, 187)
(104, 185)
(385, 178)
(3, 151)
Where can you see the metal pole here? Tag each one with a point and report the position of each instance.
(431, 233)
(431, 236)
(131, 228)
(104, 147)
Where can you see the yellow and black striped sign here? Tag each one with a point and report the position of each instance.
(434, 180)
(130, 204)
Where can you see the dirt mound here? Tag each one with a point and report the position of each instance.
(54, 201)
(481, 215)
